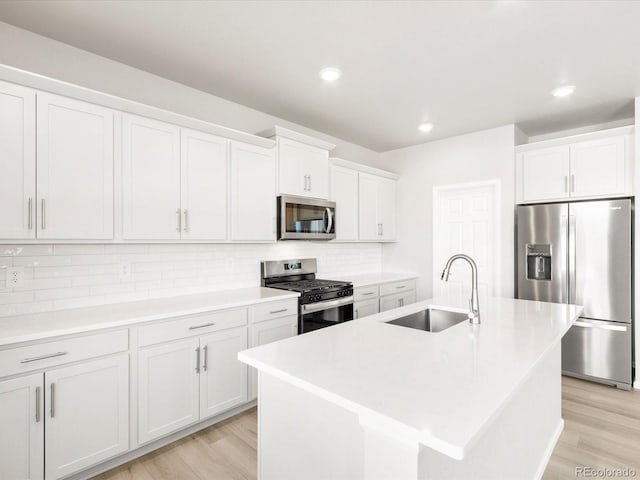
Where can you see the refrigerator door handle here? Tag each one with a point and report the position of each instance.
(564, 235)
(572, 259)
(614, 328)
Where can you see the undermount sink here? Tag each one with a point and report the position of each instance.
(430, 320)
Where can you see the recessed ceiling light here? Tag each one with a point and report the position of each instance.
(425, 127)
(330, 74)
(563, 91)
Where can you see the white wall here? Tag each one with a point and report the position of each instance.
(34, 53)
(485, 155)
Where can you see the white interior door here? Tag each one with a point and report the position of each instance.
(150, 179)
(75, 169)
(17, 161)
(204, 167)
(22, 424)
(87, 414)
(466, 219)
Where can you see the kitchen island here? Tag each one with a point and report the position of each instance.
(371, 400)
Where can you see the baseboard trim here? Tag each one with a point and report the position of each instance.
(549, 451)
(161, 442)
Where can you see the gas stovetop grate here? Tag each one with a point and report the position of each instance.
(310, 285)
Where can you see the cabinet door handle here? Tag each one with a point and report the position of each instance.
(401, 302)
(195, 327)
(204, 364)
(309, 182)
(355, 313)
(42, 357)
(379, 229)
(278, 311)
(305, 183)
(42, 214)
(198, 360)
(179, 220)
(37, 404)
(186, 220)
(53, 400)
(573, 183)
(30, 214)
(566, 184)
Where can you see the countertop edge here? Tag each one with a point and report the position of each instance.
(135, 320)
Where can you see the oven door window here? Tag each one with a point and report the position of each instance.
(325, 318)
(303, 218)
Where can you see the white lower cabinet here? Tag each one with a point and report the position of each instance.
(87, 414)
(267, 332)
(168, 382)
(184, 381)
(396, 300)
(365, 308)
(223, 379)
(22, 424)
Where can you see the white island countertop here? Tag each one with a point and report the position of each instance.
(39, 326)
(442, 390)
(375, 278)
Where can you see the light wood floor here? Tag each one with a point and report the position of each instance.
(602, 430)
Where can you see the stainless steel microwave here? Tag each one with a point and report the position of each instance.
(301, 218)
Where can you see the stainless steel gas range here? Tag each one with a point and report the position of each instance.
(322, 303)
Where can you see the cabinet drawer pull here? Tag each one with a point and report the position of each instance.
(367, 293)
(43, 357)
(204, 364)
(30, 214)
(278, 311)
(198, 360)
(37, 404)
(195, 327)
(53, 400)
(401, 286)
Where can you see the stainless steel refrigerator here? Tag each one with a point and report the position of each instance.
(581, 253)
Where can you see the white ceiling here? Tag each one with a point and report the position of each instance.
(464, 65)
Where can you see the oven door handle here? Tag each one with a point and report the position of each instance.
(316, 307)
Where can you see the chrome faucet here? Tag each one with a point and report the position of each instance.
(474, 308)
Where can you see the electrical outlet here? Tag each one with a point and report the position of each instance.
(125, 270)
(15, 277)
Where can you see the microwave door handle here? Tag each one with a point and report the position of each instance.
(329, 214)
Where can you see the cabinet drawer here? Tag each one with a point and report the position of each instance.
(51, 354)
(397, 287)
(270, 310)
(191, 325)
(365, 293)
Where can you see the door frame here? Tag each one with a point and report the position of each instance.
(496, 187)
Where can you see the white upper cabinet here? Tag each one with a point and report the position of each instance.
(17, 161)
(593, 165)
(344, 191)
(377, 208)
(204, 162)
(22, 420)
(598, 167)
(546, 173)
(303, 169)
(75, 169)
(253, 193)
(150, 179)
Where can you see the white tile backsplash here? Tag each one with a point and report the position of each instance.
(69, 276)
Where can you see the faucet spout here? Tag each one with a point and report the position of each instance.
(474, 307)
